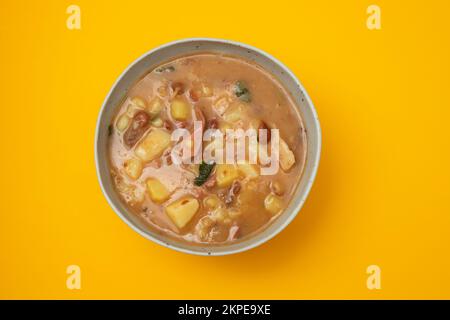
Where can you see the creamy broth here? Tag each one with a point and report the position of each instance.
(204, 203)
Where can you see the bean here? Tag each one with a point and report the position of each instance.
(139, 124)
(194, 94)
(213, 123)
(178, 88)
(167, 125)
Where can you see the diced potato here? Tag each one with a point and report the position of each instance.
(234, 113)
(180, 109)
(224, 216)
(212, 202)
(220, 215)
(155, 107)
(133, 168)
(221, 104)
(273, 204)
(157, 122)
(136, 104)
(157, 191)
(163, 90)
(226, 174)
(250, 171)
(287, 158)
(207, 91)
(182, 211)
(276, 188)
(152, 146)
(123, 122)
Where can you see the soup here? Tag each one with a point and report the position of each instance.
(186, 195)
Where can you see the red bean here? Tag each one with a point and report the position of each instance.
(167, 125)
(178, 88)
(139, 124)
(141, 119)
(194, 94)
(213, 123)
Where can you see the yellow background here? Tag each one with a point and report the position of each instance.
(383, 187)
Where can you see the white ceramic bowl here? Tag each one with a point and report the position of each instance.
(188, 46)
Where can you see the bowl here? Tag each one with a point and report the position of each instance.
(178, 48)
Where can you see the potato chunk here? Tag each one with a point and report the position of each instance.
(153, 145)
(157, 191)
(277, 188)
(207, 91)
(180, 109)
(182, 211)
(221, 104)
(226, 174)
(234, 113)
(123, 122)
(273, 204)
(287, 158)
(138, 102)
(133, 168)
(155, 107)
(220, 215)
(212, 202)
(157, 122)
(250, 171)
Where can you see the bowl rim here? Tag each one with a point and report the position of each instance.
(302, 197)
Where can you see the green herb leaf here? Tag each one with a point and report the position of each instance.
(204, 171)
(241, 91)
(165, 69)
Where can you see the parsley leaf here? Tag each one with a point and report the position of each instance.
(204, 171)
(165, 69)
(241, 91)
